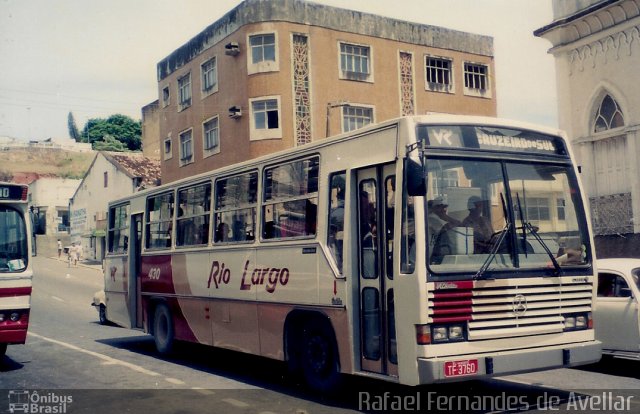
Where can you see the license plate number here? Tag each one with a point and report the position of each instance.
(460, 368)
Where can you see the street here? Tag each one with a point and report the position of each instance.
(77, 365)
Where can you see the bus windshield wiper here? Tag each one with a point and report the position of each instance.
(524, 230)
(526, 225)
(494, 250)
(493, 253)
(534, 232)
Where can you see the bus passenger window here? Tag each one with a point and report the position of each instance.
(336, 217)
(193, 215)
(159, 227)
(235, 208)
(291, 199)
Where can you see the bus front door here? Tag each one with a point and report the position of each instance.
(135, 309)
(376, 195)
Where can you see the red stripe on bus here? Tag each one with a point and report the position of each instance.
(440, 304)
(442, 295)
(450, 311)
(17, 291)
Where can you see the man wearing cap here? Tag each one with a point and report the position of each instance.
(438, 220)
(482, 228)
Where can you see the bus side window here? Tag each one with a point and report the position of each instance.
(335, 238)
(235, 208)
(291, 199)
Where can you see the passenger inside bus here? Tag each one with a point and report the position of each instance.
(482, 228)
(439, 222)
(222, 232)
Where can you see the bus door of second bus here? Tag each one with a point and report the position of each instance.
(376, 195)
(135, 267)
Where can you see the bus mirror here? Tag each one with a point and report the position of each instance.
(415, 178)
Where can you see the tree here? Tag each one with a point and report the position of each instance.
(73, 129)
(109, 143)
(120, 127)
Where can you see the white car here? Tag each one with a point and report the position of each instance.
(616, 320)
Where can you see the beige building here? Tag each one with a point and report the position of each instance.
(151, 130)
(596, 45)
(271, 75)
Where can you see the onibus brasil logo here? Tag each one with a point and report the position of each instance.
(34, 402)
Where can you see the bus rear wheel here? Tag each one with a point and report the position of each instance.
(319, 358)
(163, 333)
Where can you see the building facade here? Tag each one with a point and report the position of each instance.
(151, 130)
(271, 75)
(111, 175)
(596, 46)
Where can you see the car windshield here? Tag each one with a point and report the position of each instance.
(498, 215)
(13, 241)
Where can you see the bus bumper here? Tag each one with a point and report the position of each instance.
(13, 336)
(467, 367)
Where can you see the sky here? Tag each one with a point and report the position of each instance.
(98, 58)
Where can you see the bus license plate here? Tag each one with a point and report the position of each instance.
(460, 368)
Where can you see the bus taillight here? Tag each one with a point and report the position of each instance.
(423, 334)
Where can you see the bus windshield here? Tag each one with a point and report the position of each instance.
(487, 215)
(13, 241)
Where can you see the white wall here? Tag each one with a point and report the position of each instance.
(90, 202)
(54, 195)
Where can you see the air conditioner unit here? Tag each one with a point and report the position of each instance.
(235, 112)
(232, 49)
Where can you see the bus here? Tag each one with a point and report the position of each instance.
(327, 256)
(15, 268)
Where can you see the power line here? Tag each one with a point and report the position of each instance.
(59, 95)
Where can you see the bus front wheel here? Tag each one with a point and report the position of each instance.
(163, 333)
(319, 358)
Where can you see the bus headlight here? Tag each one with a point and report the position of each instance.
(14, 317)
(569, 322)
(439, 334)
(448, 333)
(2, 317)
(577, 321)
(456, 333)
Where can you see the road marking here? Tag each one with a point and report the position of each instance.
(203, 391)
(57, 298)
(107, 359)
(174, 381)
(236, 403)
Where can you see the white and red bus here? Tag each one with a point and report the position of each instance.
(15, 269)
(326, 255)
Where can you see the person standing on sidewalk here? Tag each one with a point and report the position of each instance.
(59, 248)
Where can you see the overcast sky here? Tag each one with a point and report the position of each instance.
(97, 58)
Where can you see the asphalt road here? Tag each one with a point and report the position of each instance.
(72, 364)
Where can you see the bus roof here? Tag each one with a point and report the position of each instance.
(406, 122)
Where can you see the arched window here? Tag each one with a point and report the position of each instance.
(609, 115)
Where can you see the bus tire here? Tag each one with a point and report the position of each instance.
(319, 358)
(163, 332)
(3, 350)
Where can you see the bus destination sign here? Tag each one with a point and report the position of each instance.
(9, 192)
(491, 138)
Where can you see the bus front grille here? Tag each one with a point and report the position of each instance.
(510, 307)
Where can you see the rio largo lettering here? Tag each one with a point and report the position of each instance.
(269, 277)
